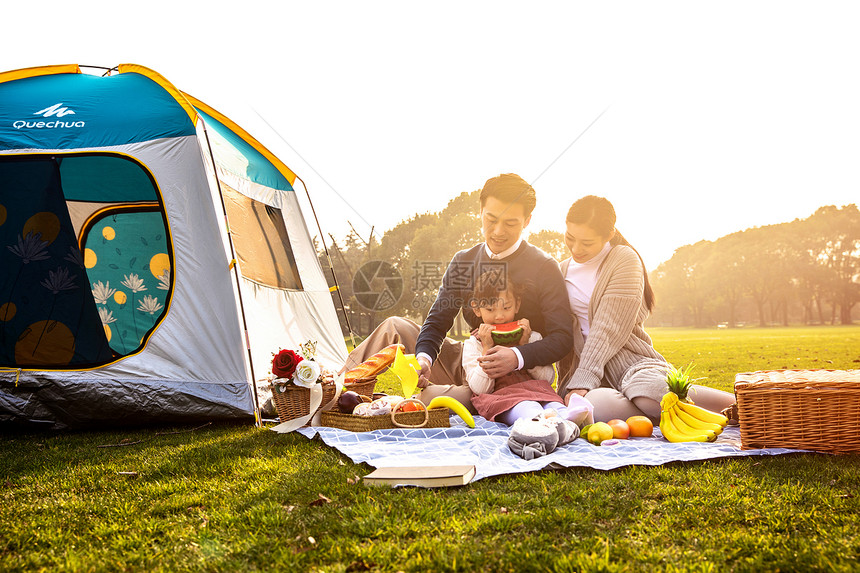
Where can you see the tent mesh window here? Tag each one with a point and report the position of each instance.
(261, 241)
(88, 259)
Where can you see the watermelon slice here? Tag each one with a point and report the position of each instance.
(508, 333)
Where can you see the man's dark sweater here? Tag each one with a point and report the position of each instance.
(544, 304)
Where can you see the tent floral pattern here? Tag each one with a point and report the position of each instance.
(102, 292)
(45, 314)
(164, 280)
(149, 304)
(59, 280)
(31, 248)
(128, 249)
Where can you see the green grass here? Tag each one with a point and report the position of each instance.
(717, 355)
(232, 497)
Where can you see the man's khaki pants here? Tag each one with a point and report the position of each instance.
(446, 375)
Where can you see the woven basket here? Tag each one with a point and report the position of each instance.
(805, 409)
(435, 418)
(295, 401)
(365, 386)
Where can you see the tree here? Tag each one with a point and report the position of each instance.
(681, 285)
(760, 264)
(724, 273)
(421, 247)
(346, 258)
(837, 233)
(552, 242)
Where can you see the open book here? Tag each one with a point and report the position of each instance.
(423, 476)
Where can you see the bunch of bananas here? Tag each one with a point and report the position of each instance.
(682, 421)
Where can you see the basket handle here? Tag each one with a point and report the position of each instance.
(404, 401)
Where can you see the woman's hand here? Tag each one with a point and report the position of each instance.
(579, 392)
(527, 331)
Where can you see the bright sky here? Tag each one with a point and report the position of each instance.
(713, 117)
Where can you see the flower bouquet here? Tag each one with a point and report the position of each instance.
(293, 376)
(300, 369)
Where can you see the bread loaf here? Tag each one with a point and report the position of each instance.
(373, 365)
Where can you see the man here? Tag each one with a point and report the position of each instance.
(507, 202)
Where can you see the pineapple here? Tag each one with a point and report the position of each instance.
(679, 381)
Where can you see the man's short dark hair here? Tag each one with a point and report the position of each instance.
(510, 188)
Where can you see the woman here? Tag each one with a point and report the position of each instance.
(610, 297)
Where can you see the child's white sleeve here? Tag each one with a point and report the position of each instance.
(541, 372)
(478, 381)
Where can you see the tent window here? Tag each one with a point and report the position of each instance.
(95, 177)
(67, 246)
(261, 241)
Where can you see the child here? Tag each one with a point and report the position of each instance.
(519, 395)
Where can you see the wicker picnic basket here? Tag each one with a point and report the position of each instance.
(435, 418)
(295, 401)
(804, 409)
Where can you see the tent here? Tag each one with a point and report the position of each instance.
(153, 255)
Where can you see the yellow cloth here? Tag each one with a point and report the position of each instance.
(406, 368)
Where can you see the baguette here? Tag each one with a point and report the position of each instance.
(373, 365)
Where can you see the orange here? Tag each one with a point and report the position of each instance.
(410, 407)
(640, 427)
(620, 429)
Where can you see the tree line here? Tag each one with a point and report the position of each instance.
(805, 271)
(417, 249)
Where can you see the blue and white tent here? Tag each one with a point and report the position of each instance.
(153, 255)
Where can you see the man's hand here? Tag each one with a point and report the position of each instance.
(424, 373)
(498, 361)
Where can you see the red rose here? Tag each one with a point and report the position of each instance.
(284, 363)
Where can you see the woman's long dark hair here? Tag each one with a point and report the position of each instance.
(599, 214)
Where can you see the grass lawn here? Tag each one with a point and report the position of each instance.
(230, 497)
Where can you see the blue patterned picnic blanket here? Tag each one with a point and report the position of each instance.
(486, 447)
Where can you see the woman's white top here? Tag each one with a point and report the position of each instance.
(580, 281)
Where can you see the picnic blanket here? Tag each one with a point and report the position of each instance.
(486, 447)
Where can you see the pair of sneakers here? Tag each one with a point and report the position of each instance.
(541, 435)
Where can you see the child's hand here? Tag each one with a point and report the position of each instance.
(527, 330)
(485, 335)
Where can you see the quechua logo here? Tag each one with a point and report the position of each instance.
(53, 114)
(55, 110)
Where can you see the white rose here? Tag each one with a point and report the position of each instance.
(306, 373)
